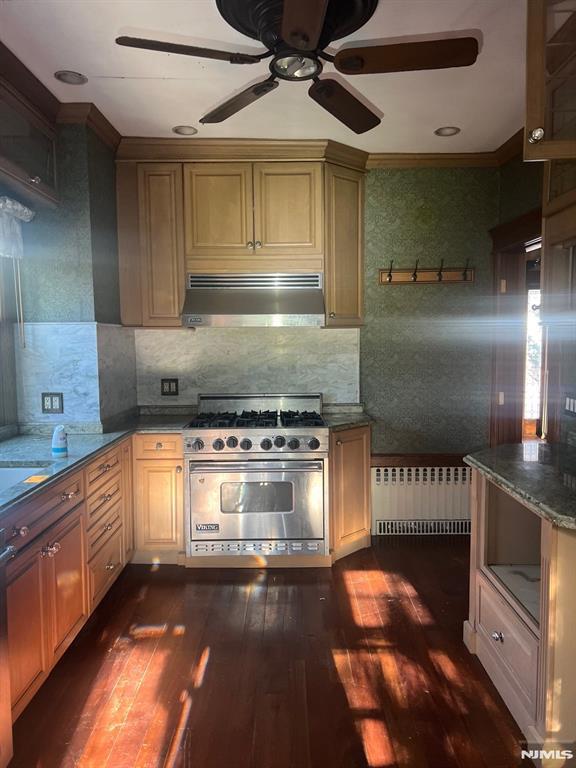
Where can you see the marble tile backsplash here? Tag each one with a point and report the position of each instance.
(247, 360)
(58, 357)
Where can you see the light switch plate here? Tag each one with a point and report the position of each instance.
(169, 387)
(52, 402)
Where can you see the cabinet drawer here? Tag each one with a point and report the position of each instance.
(509, 650)
(105, 566)
(45, 508)
(158, 446)
(103, 499)
(104, 529)
(102, 468)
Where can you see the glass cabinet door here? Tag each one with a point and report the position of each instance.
(551, 78)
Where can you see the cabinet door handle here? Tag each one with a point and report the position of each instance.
(50, 549)
(257, 244)
(332, 314)
(178, 469)
(338, 442)
(498, 637)
(34, 179)
(250, 245)
(536, 135)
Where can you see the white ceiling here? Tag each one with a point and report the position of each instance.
(162, 90)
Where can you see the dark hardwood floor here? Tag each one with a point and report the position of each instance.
(359, 666)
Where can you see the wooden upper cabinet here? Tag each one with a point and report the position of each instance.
(288, 209)
(218, 211)
(161, 243)
(551, 80)
(343, 261)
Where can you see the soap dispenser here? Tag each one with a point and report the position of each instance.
(60, 443)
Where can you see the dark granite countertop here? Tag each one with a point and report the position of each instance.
(541, 476)
(340, 421)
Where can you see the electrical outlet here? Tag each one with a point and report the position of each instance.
(52, 402)
(570, 404)
(169, 387)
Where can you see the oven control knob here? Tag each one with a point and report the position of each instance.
(232, 442)
(197, 444)
(245, 444)
(279, 441)
(266, 444)
(293, 444)
(314, 444)
(218, 444)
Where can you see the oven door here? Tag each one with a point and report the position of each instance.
(243, 500)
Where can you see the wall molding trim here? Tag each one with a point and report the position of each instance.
(135, 149)
(510, 149)
(85, 113)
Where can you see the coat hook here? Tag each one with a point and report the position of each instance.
(389, 275)
(439, 273)
(465, 271)
(414, 275)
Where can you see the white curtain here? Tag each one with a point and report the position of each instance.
(12, 214)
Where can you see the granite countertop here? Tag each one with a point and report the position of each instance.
(346, 420)
(541, 476)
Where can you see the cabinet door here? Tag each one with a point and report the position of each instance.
(127, 499)
(288, 220)
(65, 573)
(343, 271)
(161, 242)
(28, 630)
(349, 490)
(159, 515)
(218, 213)
(551, 76)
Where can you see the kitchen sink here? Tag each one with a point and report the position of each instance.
(13, 472)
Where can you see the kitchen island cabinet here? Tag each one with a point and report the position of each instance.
(522, 585)
(349, 490)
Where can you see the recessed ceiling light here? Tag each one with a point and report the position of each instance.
(70, 78)
(447, 130)
(184, 130)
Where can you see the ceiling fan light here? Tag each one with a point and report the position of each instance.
(295, 66)
(447, 130)
(70, 78)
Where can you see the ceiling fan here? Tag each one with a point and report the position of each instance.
(295, 34)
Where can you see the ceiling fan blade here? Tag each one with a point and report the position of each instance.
(302, 23)
(241, 100)
(405, 57)
(343, 105)
(188, 50)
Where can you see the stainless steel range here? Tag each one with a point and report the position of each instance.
(256, 476)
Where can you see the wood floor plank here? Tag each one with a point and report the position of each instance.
(360, 666)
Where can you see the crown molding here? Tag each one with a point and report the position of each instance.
(134, 149)
(510, 149)
(85, 113)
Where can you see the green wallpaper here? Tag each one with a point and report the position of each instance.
(425, 350)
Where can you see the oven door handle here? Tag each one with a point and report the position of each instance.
(255, 466)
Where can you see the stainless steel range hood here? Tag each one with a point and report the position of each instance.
(256, 300)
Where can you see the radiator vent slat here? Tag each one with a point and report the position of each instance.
(270, 281)
(421, 500)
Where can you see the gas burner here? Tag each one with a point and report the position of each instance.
(257, 419)
(209, 420)
(301, 419)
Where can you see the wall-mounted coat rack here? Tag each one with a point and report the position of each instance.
(416, 275)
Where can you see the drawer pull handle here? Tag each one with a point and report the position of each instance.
(67, 495)
(105, 467)
(51, 549)
(498, 637)
(22, 531)
(108, 527)
(110, 567)
(159, 446)
(106, 496)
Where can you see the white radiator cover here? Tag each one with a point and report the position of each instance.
(420, 500)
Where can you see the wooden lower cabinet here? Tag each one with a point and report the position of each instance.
(127, 498)
(159, 510)
(349, 491)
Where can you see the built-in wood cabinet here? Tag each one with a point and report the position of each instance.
(127, 499)
(350, 514)
(521, 592)
(550, 77)
(344, 257)
(238, 211)
(159, 497)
